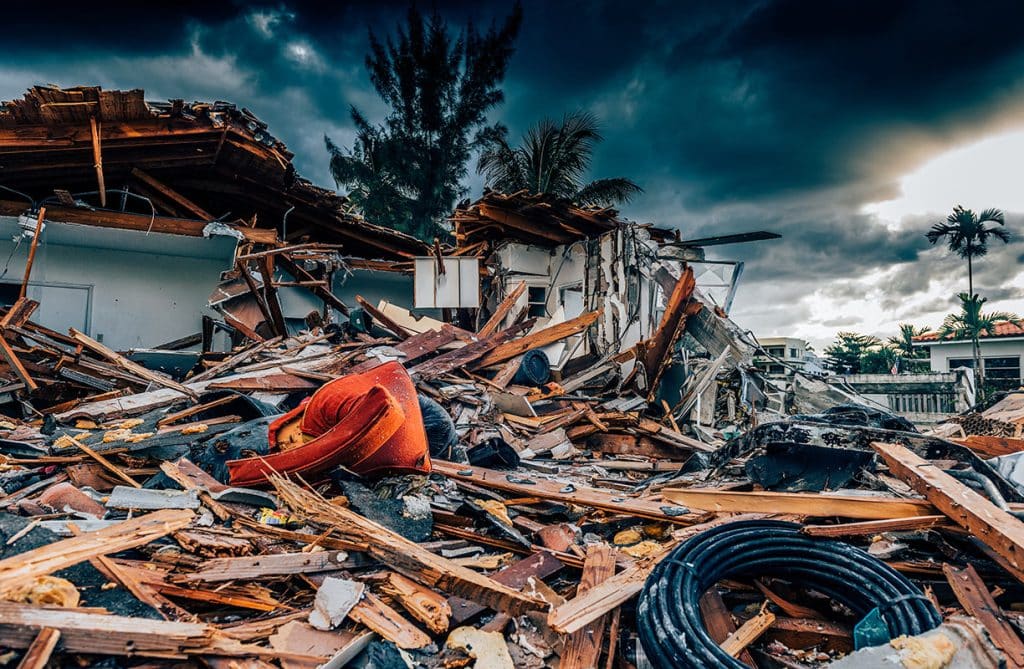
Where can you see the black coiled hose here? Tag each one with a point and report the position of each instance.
(668, 615)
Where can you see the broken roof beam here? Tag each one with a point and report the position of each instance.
(121, 220)
(524, 224)
(131, 367)
(174, 196)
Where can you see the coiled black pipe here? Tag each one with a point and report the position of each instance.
(668, 615)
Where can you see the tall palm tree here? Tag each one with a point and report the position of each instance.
(972, 323)
(967, 235)
(553, 158)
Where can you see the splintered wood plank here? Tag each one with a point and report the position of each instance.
(267, 382)
(748, 633)
(990, 447)
(126, 364)
(974, 596)
(997, 529)
(583, 609)
(719, 623)
(19, 313)
(567, 493)
(106, 464)
(16, 365)
(404, 556)
(387, 622)
(413, 348)
(802, 504)
(424, 604)
(502, 310)
(101, 634)
(658, 348)
(875, 526)
(18, 569)
(538, 565)
(263, 566)
(381, 318)
(548, 335)
(38, 654)
(583, 647)
(270, 297)
(446, 362)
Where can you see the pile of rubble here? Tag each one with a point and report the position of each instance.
(546, 509)
(573, 463)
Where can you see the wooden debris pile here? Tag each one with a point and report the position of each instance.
(525, 547)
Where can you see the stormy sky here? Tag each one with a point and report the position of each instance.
(847, 127)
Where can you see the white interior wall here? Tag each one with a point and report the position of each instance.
(152, 289)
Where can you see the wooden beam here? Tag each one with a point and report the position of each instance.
(404, 556)
(120, 220)
(97, 159)
(748, 633)
(32, 253)
(106, 464)
(522, 224)
(997, 529)
(548, 335)
(16, 365)
(188, 205)
(657, 349)
(502, 310)
(126, 364)
(101, 634)
(873, 527)
(974, 596)
(382, 318)
(266, 265)
(19, 569)
(583, 647)
(579, 611)
(567, 493)
(801, 504)
(539, 565)
(324, 293)
(18, 313)
(719, 623)
(446, 362)
(38, 654)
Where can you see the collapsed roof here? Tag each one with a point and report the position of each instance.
(193, 161)
(537, 219)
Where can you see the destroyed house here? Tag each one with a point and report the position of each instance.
(147, 204)
(581, 265)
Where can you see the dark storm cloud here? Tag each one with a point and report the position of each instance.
(783, 115)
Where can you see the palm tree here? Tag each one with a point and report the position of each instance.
(553, 158)
(903, 343)
(967, 235)
(972, 323)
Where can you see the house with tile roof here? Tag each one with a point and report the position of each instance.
(1001, 353)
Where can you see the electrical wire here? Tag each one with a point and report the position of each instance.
(669, 620)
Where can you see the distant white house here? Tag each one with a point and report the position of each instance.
(1001, 353)
(779, 357)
